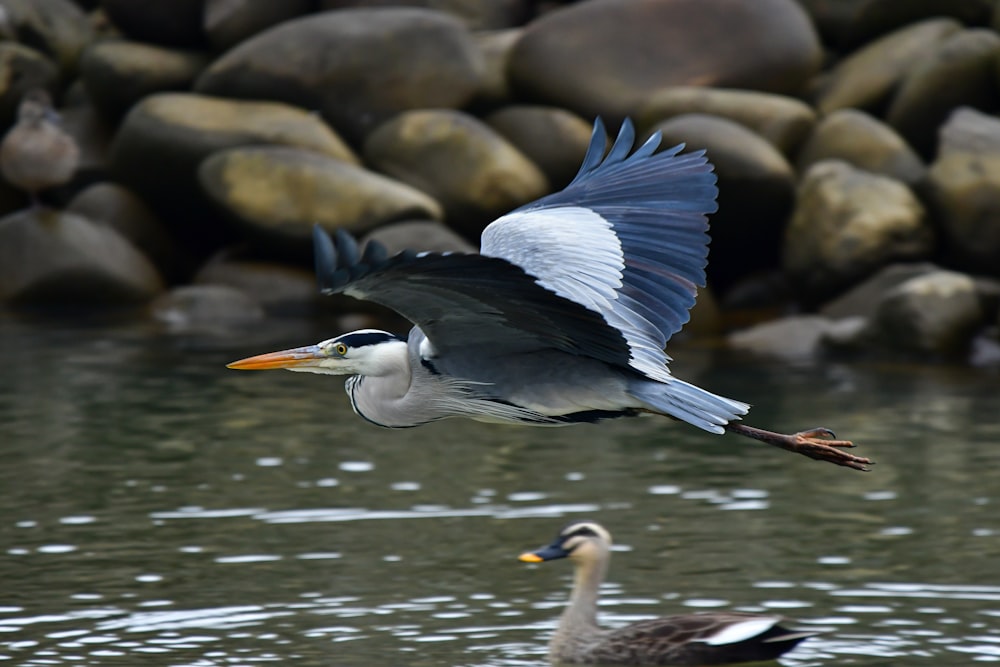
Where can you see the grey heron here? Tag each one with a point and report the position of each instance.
(710, 638)
(562, 318)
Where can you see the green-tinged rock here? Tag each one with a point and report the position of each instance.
(964, 191)
(279, 193)
(476, 174)
(229, 22)
(119, 73)
(357, 67)
(52, 257)
(58, 28)
(782, 120)
(554, 139)
(608, 56)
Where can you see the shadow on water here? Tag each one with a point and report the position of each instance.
(159, 509)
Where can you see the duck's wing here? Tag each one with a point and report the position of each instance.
(710, 638)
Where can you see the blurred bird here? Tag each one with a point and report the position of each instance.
(711, 638)
(561, 319)
(37, 153)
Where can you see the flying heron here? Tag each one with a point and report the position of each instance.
(561, 319)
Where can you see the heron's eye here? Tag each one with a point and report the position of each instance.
(341, 349)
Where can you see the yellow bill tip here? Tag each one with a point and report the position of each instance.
(529, 557)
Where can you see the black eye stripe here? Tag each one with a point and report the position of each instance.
(365, 338)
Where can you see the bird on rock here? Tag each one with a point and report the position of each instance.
(562, 318)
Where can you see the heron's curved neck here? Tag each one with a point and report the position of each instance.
(379, 391)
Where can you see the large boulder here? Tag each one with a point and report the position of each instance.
(58, 28)
(756, 193)
(961, 70)
(418, 235)
(119, 73)
(476, 174)
(847, 224)
(229, 22)
(206, 309)
(478, 15)
(796, 337)
(867, 77)
(281, 289)
(607, 56)
(864, 141)
(495, 46)
(276, 194)
(554, 139)
(782, 120)
(358, 67)
(54, 257)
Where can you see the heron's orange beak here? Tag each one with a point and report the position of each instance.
(309, 355)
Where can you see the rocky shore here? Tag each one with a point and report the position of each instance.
(857, 145)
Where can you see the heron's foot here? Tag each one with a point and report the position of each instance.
(817, 443)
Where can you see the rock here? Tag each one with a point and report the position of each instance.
(798, 337)
(847, 24)
(93, 137)
(756, 193)
(606, 56)
(281, 289)
(863, 299)
(48, 256)
(22, 69)
(471, 170)
(164, 138)
(116, 207)
(933, 314)
(554, 139)
(119, 73)
(961, 70)
(358, 67)
(847, 224)
(57, 28)
(495, 47)
(784, 121)
(969, 131)
(229, 22)
(478, 15)
(277, 194)
(867, 77)
(419, 235)
(206, 308)
(173, 23)
(864, 142)
(963, 189)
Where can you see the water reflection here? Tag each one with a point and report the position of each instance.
(158, 509)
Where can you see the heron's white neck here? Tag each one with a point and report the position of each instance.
(387, 359)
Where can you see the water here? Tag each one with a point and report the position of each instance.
(159, 509)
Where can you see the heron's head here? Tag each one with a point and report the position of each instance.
(580, 541)
(364, 352)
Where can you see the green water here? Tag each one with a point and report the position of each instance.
(159, 509)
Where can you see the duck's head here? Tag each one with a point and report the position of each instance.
(578, 541)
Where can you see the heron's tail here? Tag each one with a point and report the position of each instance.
(689, 403)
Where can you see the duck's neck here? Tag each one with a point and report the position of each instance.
(581, 612)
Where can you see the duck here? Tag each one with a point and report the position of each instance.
(710, 638)
(37, 153)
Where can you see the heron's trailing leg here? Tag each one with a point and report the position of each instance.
(817, 443)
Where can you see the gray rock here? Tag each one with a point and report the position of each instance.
(847, 224)
(419, 235)
(934, 314)
(782, 120)
(969, 131)
(478, 15)
(799, 337)
(756, 193)
(961, 70)
(93, 137)
(116, 207)
(173, 23)
(229, 22)
(554, 139)
(863, 299)
(277, 194)
(48, 256)
(281, 289)
(358, 67)
(460, 161)
(867, 77)
(57, 28)
(22, 69)
(495, 46)
(206, 308)
(607, 57)
(119, 73)
(864, 142)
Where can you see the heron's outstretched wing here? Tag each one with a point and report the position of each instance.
(483, 305)
(627, 238)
